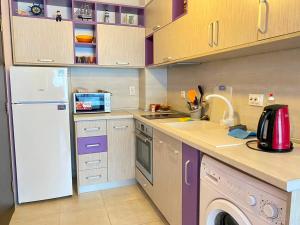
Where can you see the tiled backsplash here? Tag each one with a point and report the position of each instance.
(277, 72)
(116, 81)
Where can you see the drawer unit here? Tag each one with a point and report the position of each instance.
(146, 185)
(91, 128)
(88, 145)
(95, 176)
(92, 161)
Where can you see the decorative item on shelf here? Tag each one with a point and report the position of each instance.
(21, 12)
(36, 9)
(129, 19)
(85, 59)
(58, 16)
(84, 38)
(81, 90)
(106, 16)
(85, 12)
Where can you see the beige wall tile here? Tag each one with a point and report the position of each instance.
(116, 81)
(153, 87)
(277, 72)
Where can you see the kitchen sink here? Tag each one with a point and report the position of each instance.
(194, 125)
(207, 132)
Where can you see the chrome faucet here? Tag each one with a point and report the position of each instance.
(229, 121)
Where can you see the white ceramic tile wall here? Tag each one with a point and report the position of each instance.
(277, 72)
(116, 81)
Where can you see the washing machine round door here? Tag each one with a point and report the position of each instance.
(222, 212)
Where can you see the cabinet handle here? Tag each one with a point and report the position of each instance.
(46, 60)
(120, 127)
(263, 16)
(122, 63)
(156, 27)
(93, 177)
(93, 162)
(186, 173)
(210, 34)
(92, 129)
(92, 145)
(216, 33)
(167, 59)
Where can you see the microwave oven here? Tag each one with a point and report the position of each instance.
(92, 102)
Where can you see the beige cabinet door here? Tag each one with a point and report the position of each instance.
(42, 41)
(236, 23)
(158, 13)
(278, 17)
(167, 177)
(121, 46)
(185, 37)
(121, 149)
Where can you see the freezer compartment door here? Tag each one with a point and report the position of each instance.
(39, 84)
(43, 151)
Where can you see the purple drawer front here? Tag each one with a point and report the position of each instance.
(88, 145)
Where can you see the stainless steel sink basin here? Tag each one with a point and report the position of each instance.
(205, 131)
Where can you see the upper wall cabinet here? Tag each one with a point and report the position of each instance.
(278, 17)
(121, 46)
(42, 41)
(158, 14)
(227, 23)
(208, 26)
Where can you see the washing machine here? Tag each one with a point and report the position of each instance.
(230, 197)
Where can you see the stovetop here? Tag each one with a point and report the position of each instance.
(165, 116)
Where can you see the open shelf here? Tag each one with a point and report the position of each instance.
(63, 6)
(85, 55)
(179, 8)
(131, 16)
(149, 57)
(108, 14)
(22, 7)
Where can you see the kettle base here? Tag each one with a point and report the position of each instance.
(267, 149)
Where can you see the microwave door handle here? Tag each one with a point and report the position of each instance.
(261, 126)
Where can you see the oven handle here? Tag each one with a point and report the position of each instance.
(143, 138)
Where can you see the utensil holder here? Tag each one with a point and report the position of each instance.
(196, 114)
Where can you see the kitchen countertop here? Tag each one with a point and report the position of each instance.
(118, 114)
(280, 170)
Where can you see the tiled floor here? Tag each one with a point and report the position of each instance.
(121, 206)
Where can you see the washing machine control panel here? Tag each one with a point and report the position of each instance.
(258, 198)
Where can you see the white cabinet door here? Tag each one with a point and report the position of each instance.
(121, 46)
(121, 149)
(42, 41)
(167, 177)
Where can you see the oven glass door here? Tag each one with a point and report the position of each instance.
(144, 155)
(89, 103)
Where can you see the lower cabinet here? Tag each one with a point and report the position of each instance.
(190, 185)
(167, 176)
(121, 149)
(105, 153)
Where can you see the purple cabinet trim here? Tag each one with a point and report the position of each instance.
(190, 185)
(88, 145)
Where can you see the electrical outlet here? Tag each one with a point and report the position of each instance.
(132, 91)
(256, 100)
(182, 94)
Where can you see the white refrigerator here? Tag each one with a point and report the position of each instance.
(41, 123)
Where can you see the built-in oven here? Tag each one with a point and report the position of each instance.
(144, 149)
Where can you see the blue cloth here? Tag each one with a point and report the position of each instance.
(241, 134)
